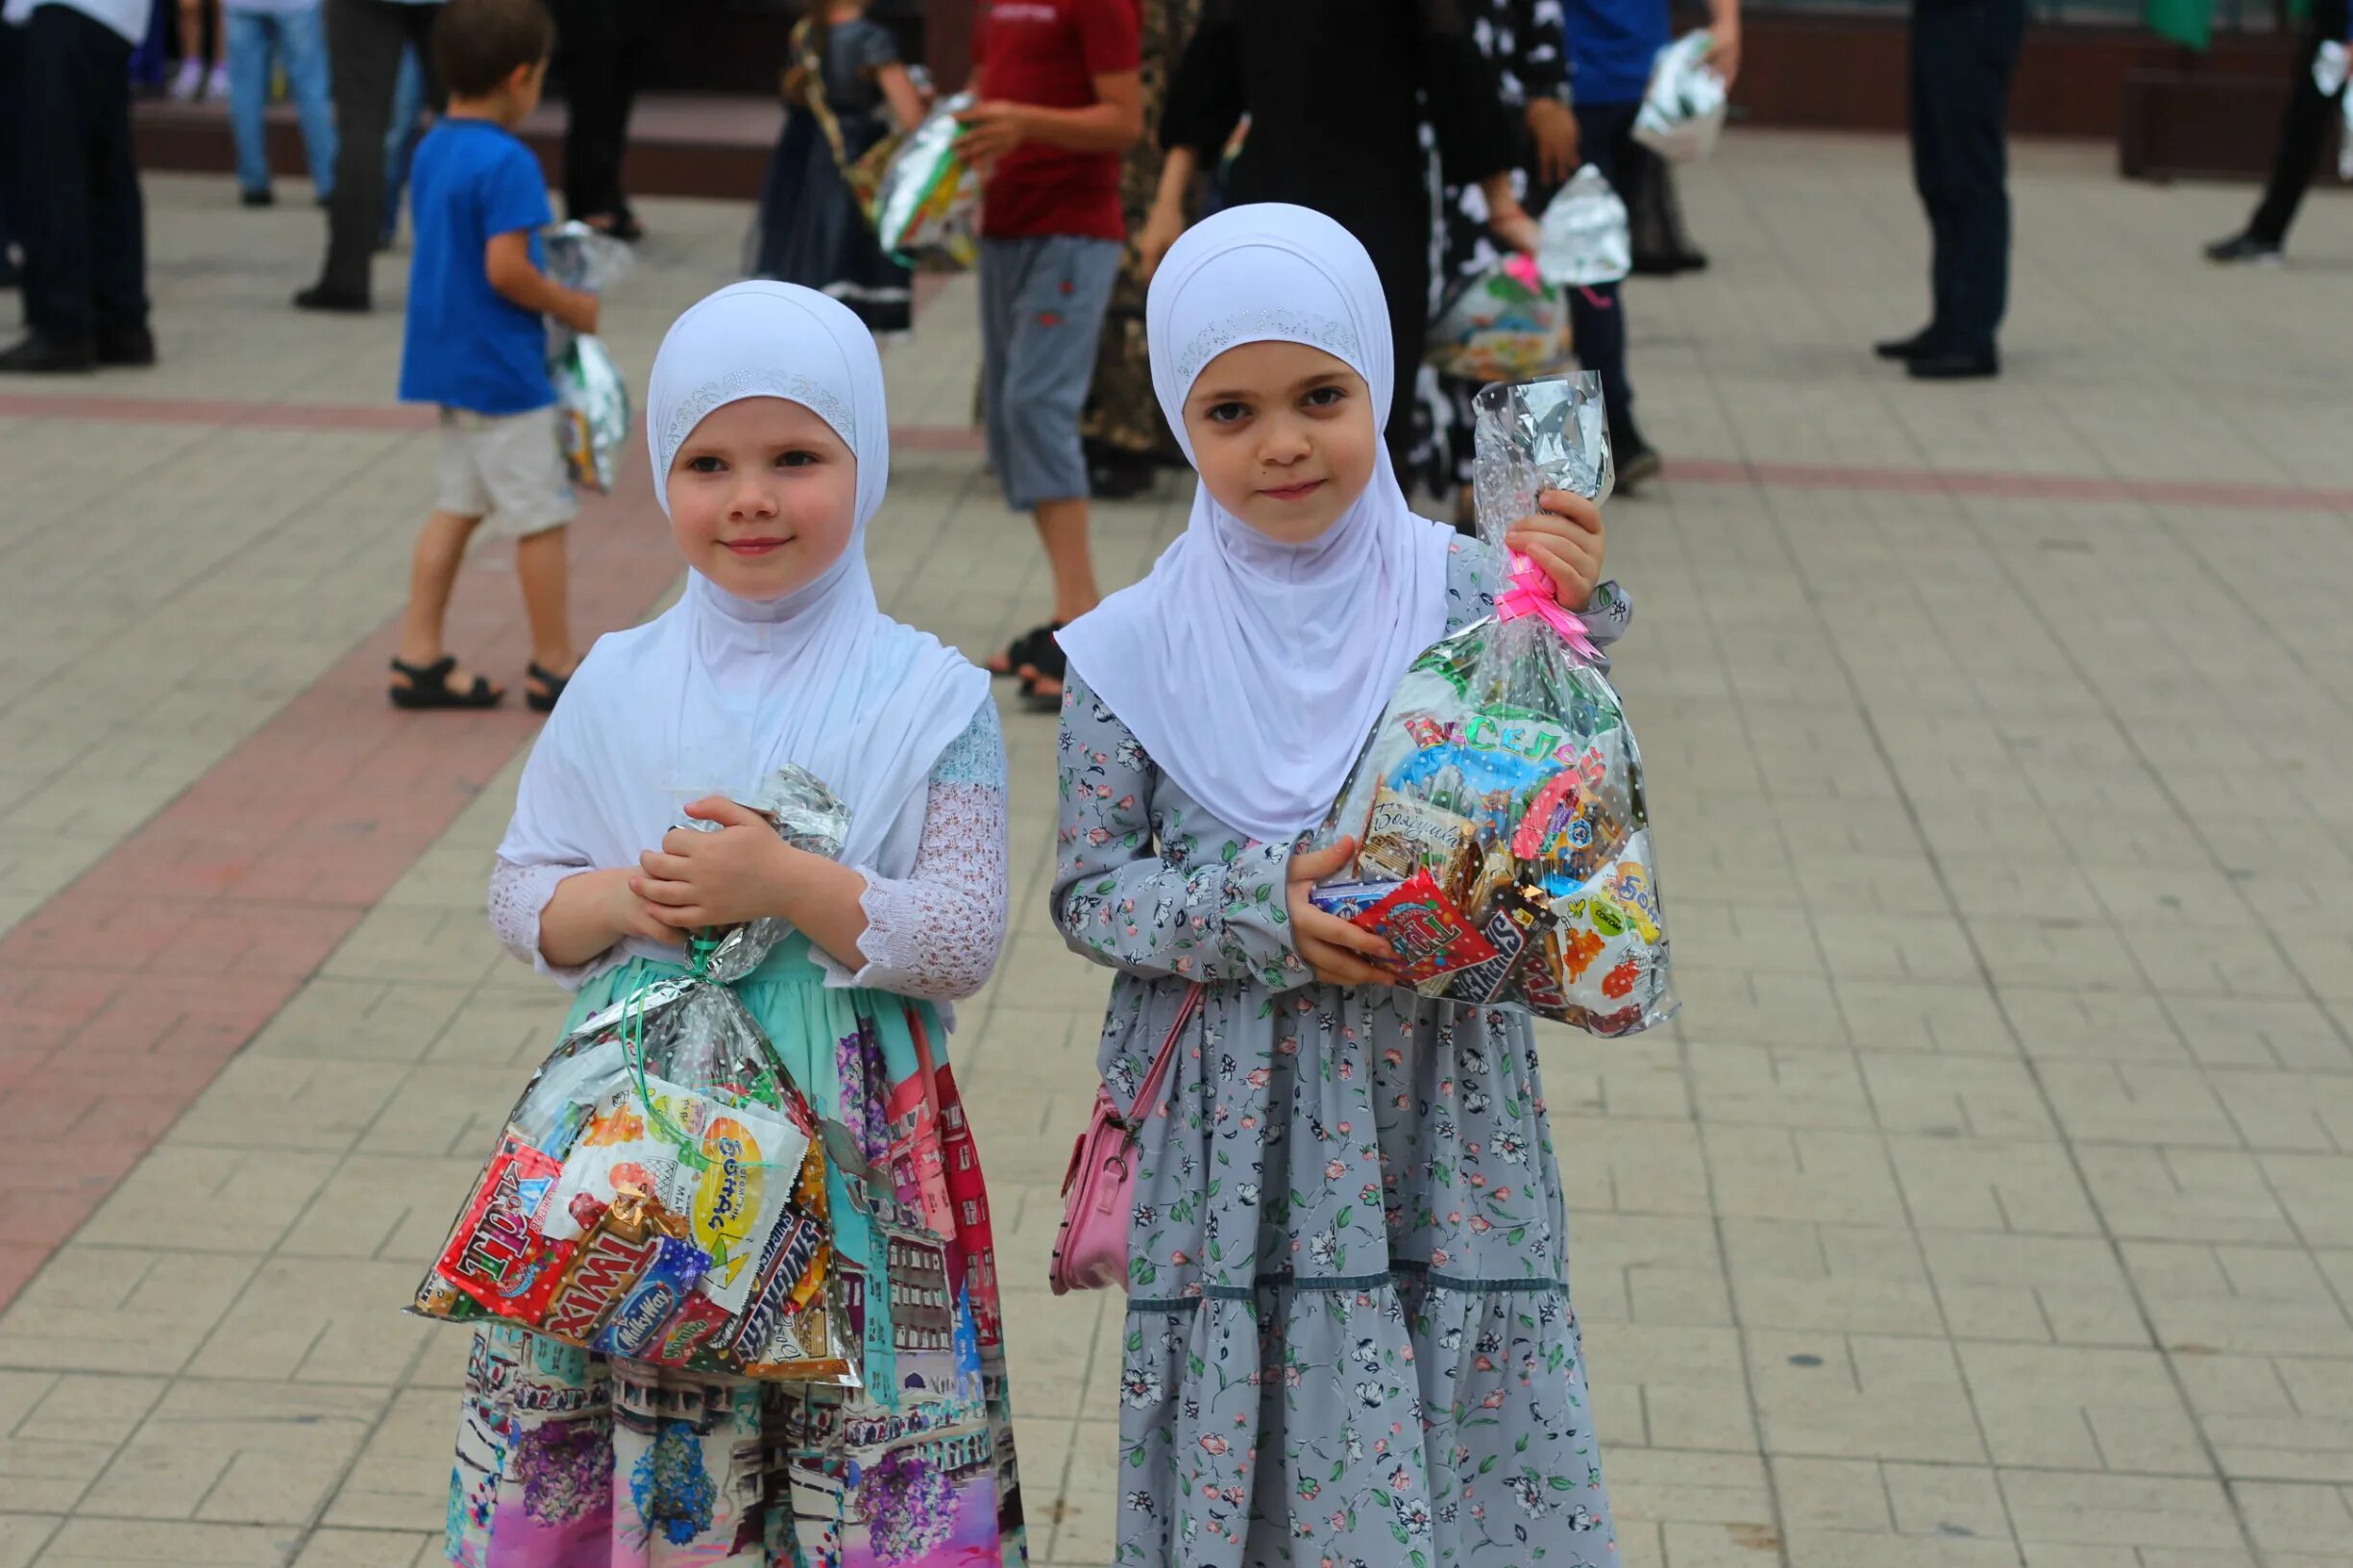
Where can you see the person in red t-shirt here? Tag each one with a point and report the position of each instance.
(1060, 101)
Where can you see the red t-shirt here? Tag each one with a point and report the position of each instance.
(1047, 53)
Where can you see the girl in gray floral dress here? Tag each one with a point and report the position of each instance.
(1349, 1338)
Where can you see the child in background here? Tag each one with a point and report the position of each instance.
(771, 448)
(810, 230)
(289, 33)
(200, 76)
(1348, 1321)
(475, 345)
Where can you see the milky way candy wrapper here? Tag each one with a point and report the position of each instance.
(1351, 900)
(637, 1321)
(1427, 932)
(607, 1260)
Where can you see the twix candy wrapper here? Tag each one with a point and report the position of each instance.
(615, 1249)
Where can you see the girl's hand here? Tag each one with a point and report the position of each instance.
(626, 915)
(724, 878)
(1339, 954)
(1565, 540)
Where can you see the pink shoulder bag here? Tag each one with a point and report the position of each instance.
(1098, 1192)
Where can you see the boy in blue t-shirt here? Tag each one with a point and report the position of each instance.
(476, 343)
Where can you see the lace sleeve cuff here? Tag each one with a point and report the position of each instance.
(518, 894)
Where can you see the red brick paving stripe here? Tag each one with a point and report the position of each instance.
(128, 991)
(951, 438)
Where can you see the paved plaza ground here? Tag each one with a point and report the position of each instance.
(1991, 1202)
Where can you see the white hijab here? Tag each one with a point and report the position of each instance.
(1252, 671)
(715, 694)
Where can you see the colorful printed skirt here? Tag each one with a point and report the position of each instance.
(567, 1460)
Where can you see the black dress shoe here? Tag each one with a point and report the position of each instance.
(39, 356)
(263, 197)
(134, 348)
(319, 297)
(1955, 365)
(1922, 342)
(2244, 249)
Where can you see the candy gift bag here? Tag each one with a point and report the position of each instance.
(930, 199)
(659, 1191)
(592, 400)
(1503, 846)
(1684, 108)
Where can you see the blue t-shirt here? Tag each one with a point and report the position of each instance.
(468, 346)
(1611, 46)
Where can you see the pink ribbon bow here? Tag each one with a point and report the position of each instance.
(1531, 592)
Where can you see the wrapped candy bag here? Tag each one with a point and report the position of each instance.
(929, 198)
(592, 400)
(661, 1191)
(1587, 241)
(1684, 106)
(1502, 839)
(1505, 325)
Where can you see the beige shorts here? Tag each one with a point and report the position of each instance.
(505, 469)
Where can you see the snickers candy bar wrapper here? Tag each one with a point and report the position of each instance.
(658, 1191)
(1503, 833)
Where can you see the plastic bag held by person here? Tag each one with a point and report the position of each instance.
(1684, 108)
(592, 399)
(1505, 325)
(1587, 241)
(929, 199)
(1504, 846)
(662, 1190)
(2331, 65)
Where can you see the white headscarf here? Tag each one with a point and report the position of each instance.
(1253, 670)
(715, 694)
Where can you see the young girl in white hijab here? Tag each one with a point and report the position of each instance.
(1349, 1337)
(771, 448)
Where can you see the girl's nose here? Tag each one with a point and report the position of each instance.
(752, 498)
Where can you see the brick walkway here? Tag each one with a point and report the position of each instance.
(1992, 1202)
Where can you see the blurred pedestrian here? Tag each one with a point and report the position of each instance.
(475, 344)
(366, 40)
(11, 150)
(844, 88)
(408, 123)
(288, 33)
(1126, 438)
(1661, 245)
(2301, 133)
(1335, 92)
(1060, 101)
(1963, 56)
(1520, 41)
(83, 229)
(202, 75)
(599, 44)
(1612, 45)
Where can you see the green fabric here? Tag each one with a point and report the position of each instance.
(2188, 22)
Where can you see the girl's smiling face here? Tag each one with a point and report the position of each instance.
(1283, 434)
(763, 497)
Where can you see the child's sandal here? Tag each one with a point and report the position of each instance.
(547, 690)
(429, 687)
(1042, 681)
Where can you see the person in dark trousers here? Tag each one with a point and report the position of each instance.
(2300, 136)
(598, 46)
(84, 227)
(1963, 56)
(365, 43)
(12, 152)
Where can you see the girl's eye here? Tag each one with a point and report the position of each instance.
(706, 465)
(1227, 414)
(1326, 396)
(796, 459)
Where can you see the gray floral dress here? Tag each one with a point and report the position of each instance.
(1349, 1339)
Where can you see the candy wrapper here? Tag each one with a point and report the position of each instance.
(1684, 108)
(592, 400)
(659, 1192)
(1505, 325)
(1587, 241)
(929, 199)
(1502, 839)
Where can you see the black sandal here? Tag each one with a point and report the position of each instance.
(1049, 664)
(1021, 656)
(429, 687)
(544, 701)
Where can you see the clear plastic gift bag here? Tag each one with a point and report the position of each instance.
(1587, 241)
(592, 399)
(659, 1192)
(1684, 110)
(1503, 837)
(928, 203)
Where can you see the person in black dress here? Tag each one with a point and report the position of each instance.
(1337, 92)
(2301, 133)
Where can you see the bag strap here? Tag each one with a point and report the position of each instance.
(813, 94)
(1150, 1089)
